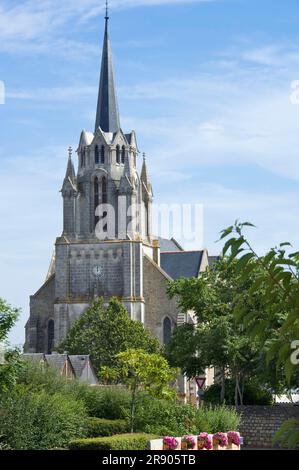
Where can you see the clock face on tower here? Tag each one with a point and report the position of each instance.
(98, 271)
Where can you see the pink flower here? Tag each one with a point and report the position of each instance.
(220, 438)
(170, 442)
(190, 441)
(205, 440)
(233, 438)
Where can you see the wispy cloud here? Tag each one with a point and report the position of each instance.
(36, 26)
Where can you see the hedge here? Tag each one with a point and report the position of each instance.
(97, 427)
(118, 442)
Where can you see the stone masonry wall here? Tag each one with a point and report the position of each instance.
(260, 423)
(157, 303)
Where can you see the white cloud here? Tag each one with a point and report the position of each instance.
(36, 26)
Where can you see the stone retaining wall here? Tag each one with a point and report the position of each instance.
(260, 423)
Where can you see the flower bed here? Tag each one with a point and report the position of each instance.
(204, 441)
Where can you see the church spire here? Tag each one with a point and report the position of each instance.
(107, 117)
(70, 174)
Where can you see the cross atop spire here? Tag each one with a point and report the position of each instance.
(107, 117)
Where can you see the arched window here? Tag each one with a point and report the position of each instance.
(103, 154)
(117, 154)
(104, 200)
(50, 336)
(166, 330)
(123, 154)
(104, 190)
(96, 199)
(96, 155)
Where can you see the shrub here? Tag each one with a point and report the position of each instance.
(118, 442)
(174, 419)
(106, 427)
(163, 417)
(111, 402)
(219, 419)
(254, 394)
(36, 420)
(101, 402)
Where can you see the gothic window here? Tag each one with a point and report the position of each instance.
(50, 336)
(104, 190)
(166, 330)
(102, 154)
(96, 199)
(96, 155)
(123, 154)
(117, 154)
(104, 199)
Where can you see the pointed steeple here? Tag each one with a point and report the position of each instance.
(107, 117)
(144, 176)
(146, 184)
(70, 174)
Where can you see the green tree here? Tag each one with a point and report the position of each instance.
(10, 363)
(217, 340)
(104, 332)
(139, 369)
(8, 317)
(276, 326)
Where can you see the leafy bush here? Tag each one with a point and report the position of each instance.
(118, 442)
(106, 427)
(254, 394)
(37, 420)
(219, 418)
(101, 402)
(161, 417)
(174, 419)
(107, 402)
(288, 434)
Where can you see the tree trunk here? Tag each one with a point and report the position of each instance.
(133, 408)
(239, 392)
(222, 393)
(236, 390)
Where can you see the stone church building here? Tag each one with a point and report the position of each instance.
(107, 247)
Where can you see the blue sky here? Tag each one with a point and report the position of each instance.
(206, 85)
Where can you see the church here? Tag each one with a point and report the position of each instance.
(107, 247)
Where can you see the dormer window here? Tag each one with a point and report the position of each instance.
(117, 154)
(103, 154)
(123, 154)
(96, 155)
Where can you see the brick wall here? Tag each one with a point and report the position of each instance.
(260, 423)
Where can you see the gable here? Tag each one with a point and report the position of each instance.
(181, 263)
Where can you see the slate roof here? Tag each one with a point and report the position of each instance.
(36, 357)
(169, 245)
(78, 363)
(181, 263)
(56, 360)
